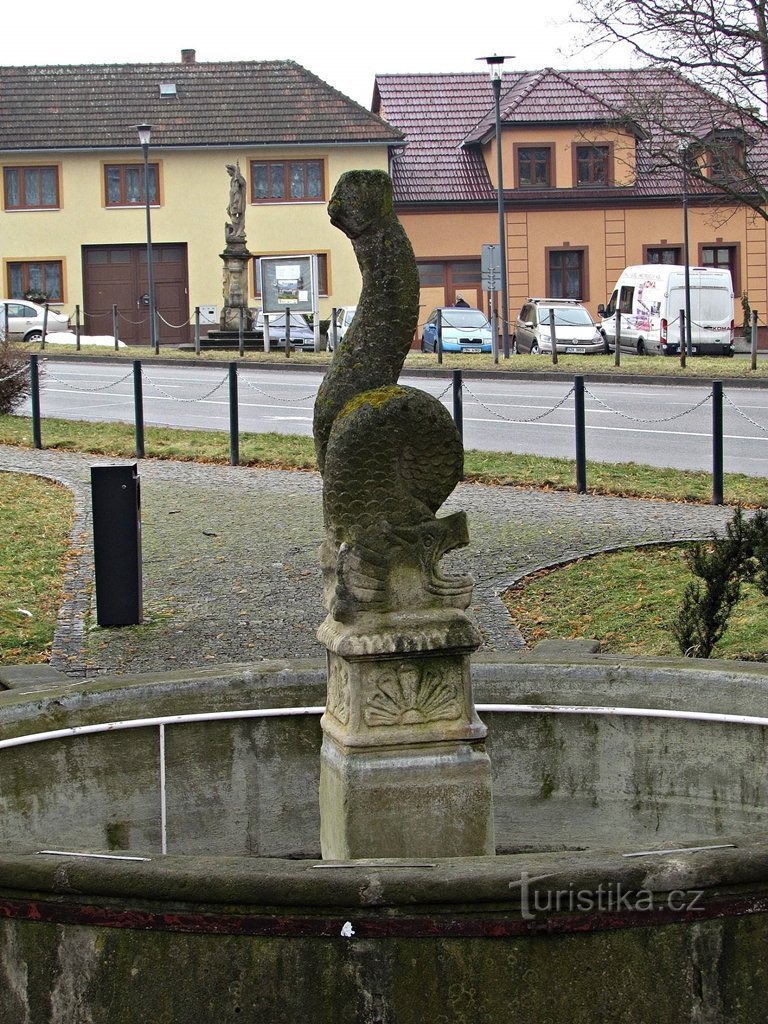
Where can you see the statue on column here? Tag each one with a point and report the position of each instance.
(234, 231)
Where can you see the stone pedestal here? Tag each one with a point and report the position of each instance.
(236, 258)
(404, 771)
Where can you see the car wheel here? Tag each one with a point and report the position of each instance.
(640, 347)
(535, 350)
(34, 337)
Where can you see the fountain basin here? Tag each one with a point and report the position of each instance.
(226, 911)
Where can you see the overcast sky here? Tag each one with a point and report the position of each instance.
(344, 42)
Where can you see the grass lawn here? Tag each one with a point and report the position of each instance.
(37, 519)
(293, 452)
(626, 600)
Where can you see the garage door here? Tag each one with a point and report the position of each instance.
(117, 275)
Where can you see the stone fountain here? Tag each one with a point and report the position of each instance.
(598, 854)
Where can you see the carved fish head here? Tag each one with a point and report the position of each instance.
(362, 200)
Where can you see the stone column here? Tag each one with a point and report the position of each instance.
(235, 290)
(404, 771)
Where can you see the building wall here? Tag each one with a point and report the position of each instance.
(612, 237)
(194, 192)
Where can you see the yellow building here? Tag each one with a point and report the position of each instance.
(594, 166)
(73, 220)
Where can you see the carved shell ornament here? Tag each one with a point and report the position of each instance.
(411, 695)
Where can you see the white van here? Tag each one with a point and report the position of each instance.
(650, 298)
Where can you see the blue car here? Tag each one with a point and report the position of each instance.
(463, 330)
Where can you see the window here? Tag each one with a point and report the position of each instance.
(566, 277)
(124, 184)
(322, 273)
(31, 188)
(534, 166)
(37, 281)
(661, 254)
(287, 181)
(593, 165)
(722, 257)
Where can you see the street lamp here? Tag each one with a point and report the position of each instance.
(495, 66)
(683, 150)
(145, 130)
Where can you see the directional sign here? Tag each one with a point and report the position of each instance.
(490, 268)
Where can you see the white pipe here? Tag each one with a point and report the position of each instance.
(143, 723)
(579, 709)
(163, 805)
(545, 709)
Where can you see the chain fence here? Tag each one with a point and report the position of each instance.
(578, 391)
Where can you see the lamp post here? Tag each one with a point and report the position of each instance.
(145, 131)
(683, 150)
(495, 63)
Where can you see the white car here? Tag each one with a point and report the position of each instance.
(22, 320)
(302, 335)
(576, 331)
(344, 316)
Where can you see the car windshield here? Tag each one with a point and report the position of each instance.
(566, 316)
(464, 318)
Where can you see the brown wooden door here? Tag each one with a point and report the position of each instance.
(117, 275)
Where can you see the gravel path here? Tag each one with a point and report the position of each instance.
(230, 558)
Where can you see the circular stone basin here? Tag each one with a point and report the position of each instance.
(167, 870)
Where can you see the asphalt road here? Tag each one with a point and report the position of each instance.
(651, 424)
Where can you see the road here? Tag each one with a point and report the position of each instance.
(655, 425)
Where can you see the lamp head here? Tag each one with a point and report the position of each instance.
(145, 131)
(495, 63)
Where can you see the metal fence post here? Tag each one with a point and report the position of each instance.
(288, 333)
(440, 336)
(241, 331)
(34, 387)
(553, 335)
(138, 408)
(334, 329)
(753, 340)
(617, 340)
(197, 330)
(581, 446)
(682, 338)
(717, 442)
(77, 328)
(114, 326)
(458, 405)
(45, 324)
(234, 426)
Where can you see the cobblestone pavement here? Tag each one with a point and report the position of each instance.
(230, 558)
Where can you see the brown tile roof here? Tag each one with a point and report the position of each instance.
(216, 104)
(446, 117)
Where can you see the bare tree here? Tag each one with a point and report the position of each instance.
(702, 93)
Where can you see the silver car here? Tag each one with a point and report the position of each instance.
(302, 334)
(575, 330)
(25, 320)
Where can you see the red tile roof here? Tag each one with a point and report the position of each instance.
(445, 118)
(215, 104)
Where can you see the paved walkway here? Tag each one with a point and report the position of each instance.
(230, 558)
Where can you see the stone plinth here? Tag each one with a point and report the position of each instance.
(404, 771)
(236, 258)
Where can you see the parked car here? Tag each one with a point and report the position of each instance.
(344, 316)
(25, 320)
(575, 330)
(650, 298)
(302, 334)
(463, 329)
